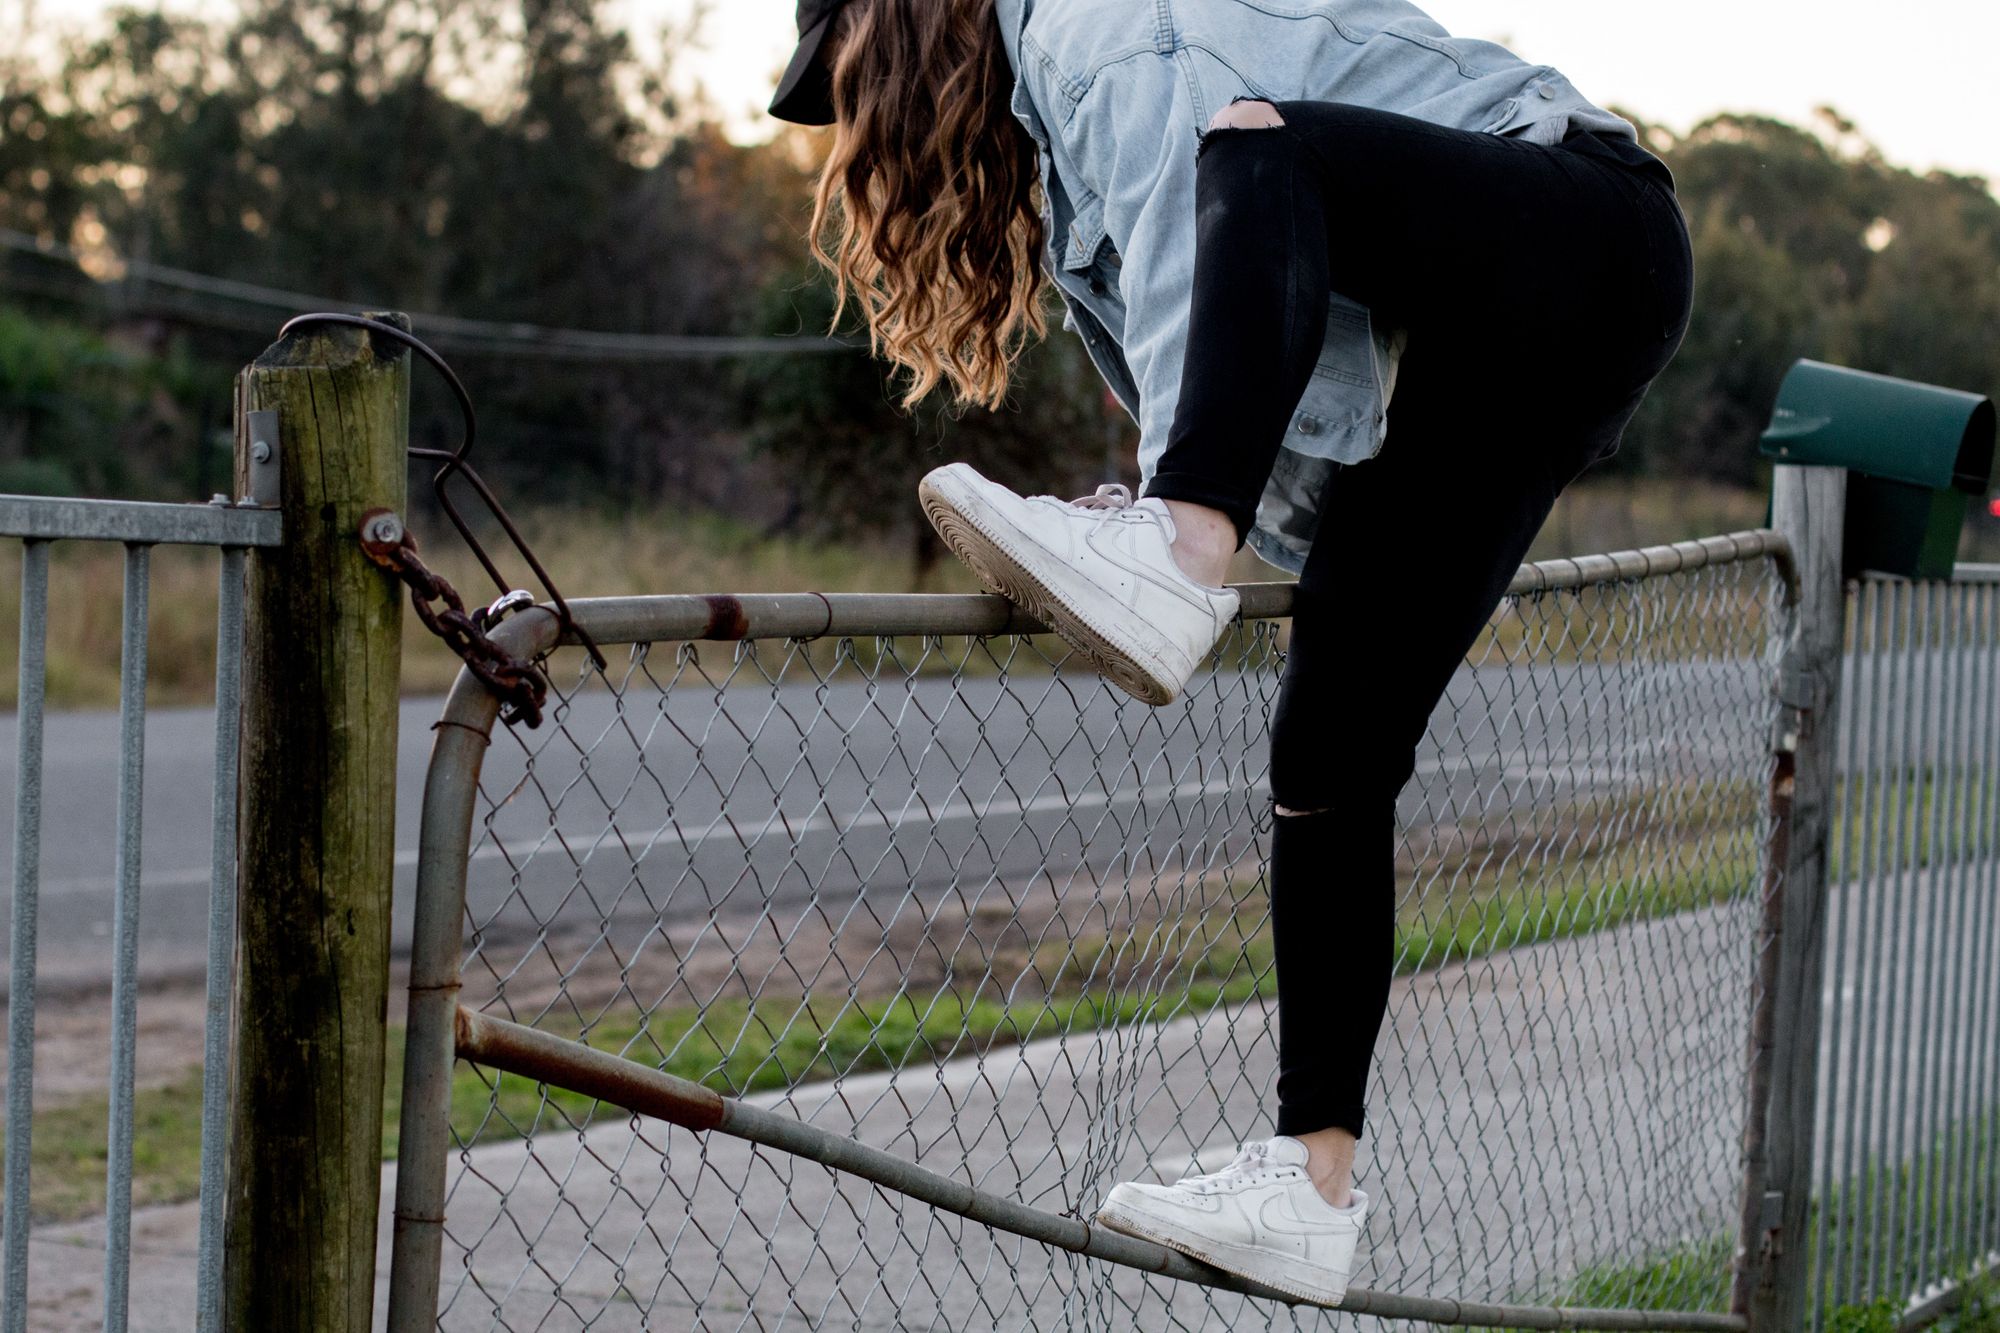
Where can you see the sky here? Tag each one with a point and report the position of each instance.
(1920, 77)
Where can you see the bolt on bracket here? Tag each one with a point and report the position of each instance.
(264, 459)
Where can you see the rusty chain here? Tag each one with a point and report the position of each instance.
(519, 685)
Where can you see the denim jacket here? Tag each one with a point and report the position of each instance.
(1115, 94)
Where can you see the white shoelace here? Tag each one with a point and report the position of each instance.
(1254, 1159)
(1110, 498)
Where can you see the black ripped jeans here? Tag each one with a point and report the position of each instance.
(1542, 288)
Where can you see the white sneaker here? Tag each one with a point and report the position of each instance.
(1100, 571)
(1260, 1217)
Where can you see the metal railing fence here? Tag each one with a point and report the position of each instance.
(39, 523)
(1908, 1171)
(890, 883)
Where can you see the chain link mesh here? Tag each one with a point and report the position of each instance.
(961, 900)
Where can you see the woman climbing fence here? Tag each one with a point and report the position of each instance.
(1268, 224)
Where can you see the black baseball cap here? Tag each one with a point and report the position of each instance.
(805, 93)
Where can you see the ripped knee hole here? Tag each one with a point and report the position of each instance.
(1247, 116)
(1286, 812)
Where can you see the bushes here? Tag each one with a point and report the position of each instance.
(81, 416)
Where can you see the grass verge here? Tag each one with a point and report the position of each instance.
(70, 1150)
(1870, 1221)
(740, 1046)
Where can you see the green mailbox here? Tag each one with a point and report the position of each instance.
(1915, 455)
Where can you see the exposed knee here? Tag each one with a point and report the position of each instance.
(1247, 116)
(1286, 812)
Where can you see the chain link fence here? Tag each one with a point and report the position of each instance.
(949, 895)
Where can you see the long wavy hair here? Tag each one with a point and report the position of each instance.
(926, 213)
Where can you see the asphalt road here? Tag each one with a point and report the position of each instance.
(786, 793)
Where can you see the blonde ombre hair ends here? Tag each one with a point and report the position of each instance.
(926, 214)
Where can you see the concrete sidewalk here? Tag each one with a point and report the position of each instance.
(1554, 1105)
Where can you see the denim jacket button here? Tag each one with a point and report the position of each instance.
(1548, 93)
(1308, 425)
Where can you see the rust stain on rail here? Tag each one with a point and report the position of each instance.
(514, 1049)
(725, 618)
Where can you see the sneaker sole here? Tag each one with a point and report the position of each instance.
(1280, 1272)
(1002, 572)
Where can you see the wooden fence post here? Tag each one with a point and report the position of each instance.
(1808, 506)
(321, 671)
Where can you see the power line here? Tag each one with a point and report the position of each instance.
(472, 336)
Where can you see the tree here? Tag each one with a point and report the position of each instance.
(1810, 244)
(851, 458)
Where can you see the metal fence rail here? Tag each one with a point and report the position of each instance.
(1908, 1179)
(39, 523)
(891, 870)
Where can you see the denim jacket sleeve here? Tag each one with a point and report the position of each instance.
(1147, 222)
(1141, 183)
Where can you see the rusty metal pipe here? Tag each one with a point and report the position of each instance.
(451, 789)
(514, 1049)
(810, 615)
(1754, 1234)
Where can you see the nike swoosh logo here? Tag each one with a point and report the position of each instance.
(1285, 1219)
(1145, 575)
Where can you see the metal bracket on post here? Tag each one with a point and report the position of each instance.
(264, 460)
(1800, 685)
(1774, 1210)
(1801, 692)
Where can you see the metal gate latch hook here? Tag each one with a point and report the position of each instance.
(505, 605)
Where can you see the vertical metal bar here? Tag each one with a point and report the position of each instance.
(221, 939)
(1903, 970)
(21, 962)
(1935, 880)
(1955, 1057)
(1929, 882)
(1899, 971)
(1909, 932)
(1837, 931)
(1868, 1080)
(125, 934)
(1842, 904)
(1953, 1065)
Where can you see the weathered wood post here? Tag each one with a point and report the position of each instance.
(1808, 506)
(321, 670)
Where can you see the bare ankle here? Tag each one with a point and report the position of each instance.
(1204, 542)
(1330, 1164)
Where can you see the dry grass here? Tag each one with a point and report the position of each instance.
(590, 555)
(653, 552)
(1623, 513)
